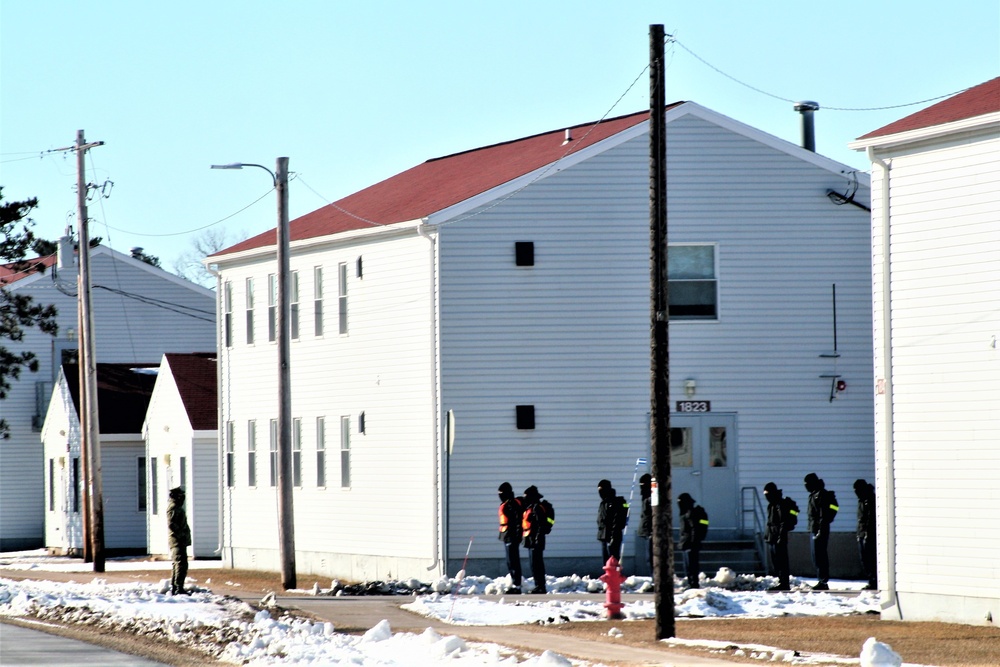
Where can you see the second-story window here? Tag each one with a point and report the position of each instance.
(318, 299)
(249, 311)
(342, 298)
(227, 310)
(272, 307)
(293, 309)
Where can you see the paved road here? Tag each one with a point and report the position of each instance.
(20, 646)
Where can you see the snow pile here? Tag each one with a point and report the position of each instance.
(876, 654)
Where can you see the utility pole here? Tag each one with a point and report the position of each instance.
(90, 426)
(286, 521)
(659, 414)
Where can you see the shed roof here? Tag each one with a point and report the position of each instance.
(442, 182)
(14, 271)
(976, 101)
(123, 392)
(195, 375)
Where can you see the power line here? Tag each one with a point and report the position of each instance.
(672, 39)
(196, 229)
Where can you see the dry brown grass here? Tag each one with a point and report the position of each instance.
(941, 644)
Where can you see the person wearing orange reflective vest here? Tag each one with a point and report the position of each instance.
(534, 526)
(509, 514)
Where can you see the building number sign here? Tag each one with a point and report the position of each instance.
(694, 406)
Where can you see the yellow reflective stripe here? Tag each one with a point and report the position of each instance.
(552, 521)
(835, 508)
(704, 521)
(793, 512)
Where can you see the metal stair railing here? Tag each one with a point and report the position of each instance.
(751, 505)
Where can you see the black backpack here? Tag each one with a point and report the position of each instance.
(549, 519)
(700, 517)
(790, 510)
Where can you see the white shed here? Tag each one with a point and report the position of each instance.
(140, 312)
(182, 446)
(936, 242)
(505, 291)
(123, 392)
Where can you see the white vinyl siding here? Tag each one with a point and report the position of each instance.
(945, 282)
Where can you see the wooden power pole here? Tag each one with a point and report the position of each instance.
(659, 414)
(286, 521)
(90, 430)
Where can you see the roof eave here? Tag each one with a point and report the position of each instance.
(976, 123)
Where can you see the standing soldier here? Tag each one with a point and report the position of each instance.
(694, 528)
(612, 516)
(536, 524)
(510, 534)
(822, 510)
(866, 531)
(646, 518)
(782, 516)
(180, 538)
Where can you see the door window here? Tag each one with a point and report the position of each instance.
(717, 454)
(681, 449)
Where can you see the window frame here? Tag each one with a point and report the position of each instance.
(345, 452)
(293, 305)
(297, 452)
(318, 301)
(273, 452)
(714, 280)
(230, 454)
(272, 307)
(252, 453)
(227, 313)
(321, 452)
(140, 480)
(342, 298)
(249, 301)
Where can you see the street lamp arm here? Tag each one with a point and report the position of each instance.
(240, 165)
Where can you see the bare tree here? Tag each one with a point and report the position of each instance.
(188, 264)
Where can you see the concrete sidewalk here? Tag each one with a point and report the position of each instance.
(22, 646)
(361, 613)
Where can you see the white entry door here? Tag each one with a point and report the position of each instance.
(703, 464)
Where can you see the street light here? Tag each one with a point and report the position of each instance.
(286, 522)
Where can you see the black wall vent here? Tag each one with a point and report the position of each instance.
(525, 417)
(524, 253)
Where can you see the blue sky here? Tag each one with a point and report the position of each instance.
(355, 92)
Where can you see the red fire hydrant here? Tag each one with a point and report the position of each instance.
(613, 579)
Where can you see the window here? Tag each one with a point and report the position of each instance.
(342, 298)
(293, 308)
(525, 417)
(272, 307)
(524, 253)
(252, 452)
(140, 480)
(320, 451)
(184, 472)
(345, 451)
(154, 485)
(249, 299)
(692, 282)
(274, 452)
(681, 448)
(76, 484)
(296, 452)
(718, 457)
(230, 454)
(227, 309)
(52, 485)
(318, 299)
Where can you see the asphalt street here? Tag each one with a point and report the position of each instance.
(20, 646)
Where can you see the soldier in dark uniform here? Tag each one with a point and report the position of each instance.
(821, 513)
(612, 516)
(776, 534)
(179, 540)
(866, 531)
(646, 517)
(509, 514)
(534, 530)
(694, 525)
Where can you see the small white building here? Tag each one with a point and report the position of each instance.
(140, 312)
(484, 317)
(123, 392)
(182, 447)
(936, 279)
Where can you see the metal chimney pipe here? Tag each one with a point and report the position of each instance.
(808, 129)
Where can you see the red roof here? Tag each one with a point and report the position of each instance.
(195, 376)
(11, 273)
(976, 101)
(443, 182)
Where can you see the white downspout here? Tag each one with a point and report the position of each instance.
(220, 424)
(887, 510)
(437, 496)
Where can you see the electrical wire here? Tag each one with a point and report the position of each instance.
(196, 229)
(673, 39)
